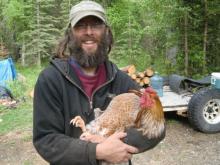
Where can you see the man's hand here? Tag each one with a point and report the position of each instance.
(113, 150)
(92, 138)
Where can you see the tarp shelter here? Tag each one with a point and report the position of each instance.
(7, 71)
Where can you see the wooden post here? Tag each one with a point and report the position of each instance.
(205, 35)
(38, 33)
(186, 42)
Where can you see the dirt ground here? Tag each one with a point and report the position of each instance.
(182, 146)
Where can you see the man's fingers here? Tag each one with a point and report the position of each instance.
(119, 135)
(85, 136)
(128, 148)
(131, 149)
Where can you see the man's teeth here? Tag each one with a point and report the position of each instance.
(89, 42)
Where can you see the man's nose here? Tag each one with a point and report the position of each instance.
(89, 30)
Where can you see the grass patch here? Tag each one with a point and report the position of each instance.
(20, 117)
(16, 118)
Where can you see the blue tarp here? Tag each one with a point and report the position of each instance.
(7, 71)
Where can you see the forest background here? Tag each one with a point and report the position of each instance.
(171, 36)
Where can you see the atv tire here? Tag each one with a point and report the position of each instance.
(204, 110)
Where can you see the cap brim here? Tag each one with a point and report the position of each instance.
(81, 15)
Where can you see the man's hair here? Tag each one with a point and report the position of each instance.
(64, 50)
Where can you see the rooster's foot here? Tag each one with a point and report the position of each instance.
(79, 122)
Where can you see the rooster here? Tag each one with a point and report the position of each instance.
(139, 109)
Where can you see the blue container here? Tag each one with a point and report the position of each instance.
(157, 84)
(215, 80)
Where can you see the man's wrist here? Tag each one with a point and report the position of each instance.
(99, 152)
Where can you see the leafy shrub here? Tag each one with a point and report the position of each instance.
(18, 88)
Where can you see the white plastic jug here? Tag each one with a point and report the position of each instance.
(157, 84)
(215, 80)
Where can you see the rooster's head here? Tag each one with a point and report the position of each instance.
(147, 99)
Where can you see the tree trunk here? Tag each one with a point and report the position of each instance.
(23, 54)
(1, 44)
(70, 5)
(130, 40)
(38, 34)
(205, 36)
(186, 43)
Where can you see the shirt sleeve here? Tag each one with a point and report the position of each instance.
(49, 136)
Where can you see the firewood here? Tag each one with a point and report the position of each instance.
(138, 80)
(130, 69)
(142, 78)
(140, 74)
(146, 80)
(133, 76)
(149, 72)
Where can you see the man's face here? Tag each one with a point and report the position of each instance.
(89, 42)
(88, 32)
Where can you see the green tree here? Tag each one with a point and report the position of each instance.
(127, 32)
(170, 35)
(203, 30)
(11, 24)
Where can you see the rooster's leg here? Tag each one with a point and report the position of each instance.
(78, 122)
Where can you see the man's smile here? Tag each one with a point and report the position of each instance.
(89, 46)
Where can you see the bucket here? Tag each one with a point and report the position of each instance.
(215, 80)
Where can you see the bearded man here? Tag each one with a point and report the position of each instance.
(79, 79)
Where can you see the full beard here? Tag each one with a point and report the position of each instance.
(92, 59)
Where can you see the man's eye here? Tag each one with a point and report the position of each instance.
(81, 26)
(94, 26)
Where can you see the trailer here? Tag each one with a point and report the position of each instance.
(196, 99)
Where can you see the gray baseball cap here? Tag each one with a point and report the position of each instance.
(86, 8)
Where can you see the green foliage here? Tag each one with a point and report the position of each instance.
(128, 38)
(20, 117)
(17, 88)
(30, 74)
(11, 12)
(145, 31)
(197, 18)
